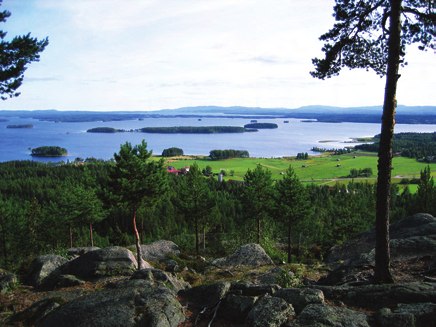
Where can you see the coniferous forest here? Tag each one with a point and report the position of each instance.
(48, 208)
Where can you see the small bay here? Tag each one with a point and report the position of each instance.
(287, 140)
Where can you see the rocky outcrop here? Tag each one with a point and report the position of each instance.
(269, 311)
(236, 307)
(376, 297)
(127, 306)
(411, 237)
(109, 261)
(157, 250)
(322, 315)
(207, 295)
(174, 283)
(410, 315)
(81, 250)
(41, 267)
(300, 297)
(251, 255)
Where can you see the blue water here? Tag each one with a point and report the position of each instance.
(288, 140)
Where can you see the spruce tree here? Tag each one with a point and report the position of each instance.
(292, 202)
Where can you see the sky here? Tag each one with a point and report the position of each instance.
(142, 55)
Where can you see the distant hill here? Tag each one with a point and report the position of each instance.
(405, 114)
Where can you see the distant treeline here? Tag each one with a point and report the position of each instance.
(411, 145)
(363, 118)
(49, 151)
(172, 152)
(228, 154)
(335, 151)
(261, 125)
(4, 120)
(194, 129)
(20, 126)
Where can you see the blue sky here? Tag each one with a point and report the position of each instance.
(164, 54)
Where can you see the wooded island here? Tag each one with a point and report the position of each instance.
(20, 126)
(49, 151)
(195, 129)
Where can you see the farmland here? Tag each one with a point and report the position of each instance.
(321, 169)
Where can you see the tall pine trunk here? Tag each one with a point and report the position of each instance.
(90, 234)
(382, 256)
(141, 263)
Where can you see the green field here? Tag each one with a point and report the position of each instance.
(320, 169)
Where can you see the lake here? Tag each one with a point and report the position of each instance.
(287, 140)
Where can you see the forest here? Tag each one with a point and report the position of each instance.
(47, 208)
(421, 146)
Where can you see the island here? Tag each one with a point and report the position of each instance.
(195, 129)
(4, 120)
(49, 151)
(261, 125)
(104, 130)
(20, 126)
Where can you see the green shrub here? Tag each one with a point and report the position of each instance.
(287, 280)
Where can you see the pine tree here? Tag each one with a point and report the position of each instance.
(360, 39)
(136, 182)
(15, 56)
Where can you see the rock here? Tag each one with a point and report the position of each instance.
(172, 282)
(272, 276)
(143, 306)
(37, 311)
(250, 289)
(157, 250)
(206, 295)
(300, 297)
(385, 318)
(424, 313)
(100, 263)
(6, 282)
(269, 311)
(170, 265)
(236, 307)
(82, 250)
(41, 267)
(56, 281)
(250, 255)
(411, 237)
(321, 315)
(351, 271)
(380, 296)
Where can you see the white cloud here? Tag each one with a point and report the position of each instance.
(149, 55)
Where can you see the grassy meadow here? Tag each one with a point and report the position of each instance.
(322, 169)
